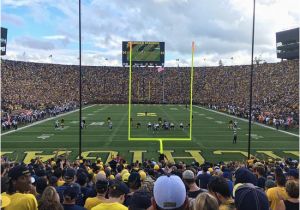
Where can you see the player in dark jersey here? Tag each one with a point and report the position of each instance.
(234, 136)
(230, 124)
(62, 123)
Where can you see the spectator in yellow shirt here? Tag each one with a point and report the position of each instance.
(276, 193)
(101, 188)
(19, 186)
(117, 192)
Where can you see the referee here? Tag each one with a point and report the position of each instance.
(234, 136)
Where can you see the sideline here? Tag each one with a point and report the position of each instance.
(259, 124)
(45, 120)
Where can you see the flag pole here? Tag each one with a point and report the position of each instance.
(80, 91)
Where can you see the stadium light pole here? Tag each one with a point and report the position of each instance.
(80, 91)
(251, 78)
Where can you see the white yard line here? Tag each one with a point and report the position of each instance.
(259, 124)
(45, 120)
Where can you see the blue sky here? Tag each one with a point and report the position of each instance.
(220, 28)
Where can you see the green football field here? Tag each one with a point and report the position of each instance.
(146, 54)
(211, 137)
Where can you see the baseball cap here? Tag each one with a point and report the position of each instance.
(249, 197)
(294, 173)
(18, 171)
(188, 174)
(270, 183)
(156, 167)
(143, 175)
(169, 192)
(125, 177)
(120, 186)
(71, 191)
(69, 173)
(244, 175)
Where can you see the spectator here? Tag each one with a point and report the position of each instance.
(134, 183)
(19, 185)
(219, 188)
(49, 200)
(244, 175)
(140, 200)
(260, 173)
(292, 203)
(293, 174)
(203, 178)
(70, 195)
(249, 197)
(277, 193)
(101, 188)
(205, 201)
(193, 191)
(169, 193)
(69, 179)
(117, 193)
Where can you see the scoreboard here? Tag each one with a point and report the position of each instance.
(144, 53)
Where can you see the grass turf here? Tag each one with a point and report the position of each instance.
(211, 136)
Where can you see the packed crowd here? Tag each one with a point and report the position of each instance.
(58, 184)
(225, 88)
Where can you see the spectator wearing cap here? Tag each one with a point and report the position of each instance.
(134, 183)
(292, 203)
(69, 178)
(218, 187)
(50, 200)
(244, 175)
(82, 181)
(70, 195)
(269, 184)
(250, 197)
(193, 190)
(101, 189)
(140, 200)
(169, 193)
(203, 178)
(19, 186)
(58, 173)
(277, 193)
(205, 201)
(293, 174)
(116, 194)
(228, 177)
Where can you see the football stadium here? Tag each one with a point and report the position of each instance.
(142, 118)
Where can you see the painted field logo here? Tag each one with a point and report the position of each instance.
(143, 114)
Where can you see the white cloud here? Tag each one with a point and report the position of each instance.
(221, 29)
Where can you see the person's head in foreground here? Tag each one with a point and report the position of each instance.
(205, 201)
(249, 197)
(169, 193)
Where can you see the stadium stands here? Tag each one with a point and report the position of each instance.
(45, 89)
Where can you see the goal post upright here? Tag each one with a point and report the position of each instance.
(191, 91)
(159, 139)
